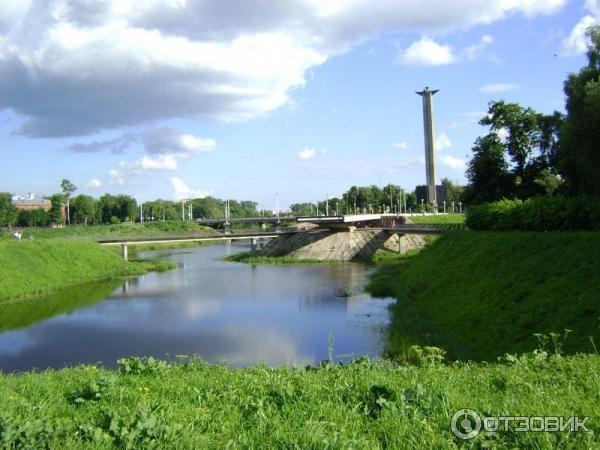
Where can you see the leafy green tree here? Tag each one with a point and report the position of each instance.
(579, 152)
(67, 189)
(8, 211)
(84, 209)
(488, 172)
(56, 213)
(521, 126)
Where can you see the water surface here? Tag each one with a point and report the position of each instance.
(221, 311)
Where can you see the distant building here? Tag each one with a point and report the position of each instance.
(31, 201)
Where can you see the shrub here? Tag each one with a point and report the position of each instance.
(537, 214)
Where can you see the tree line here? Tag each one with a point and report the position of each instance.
(114, 209)
(527, 154)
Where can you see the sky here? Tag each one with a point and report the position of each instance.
(253, 99)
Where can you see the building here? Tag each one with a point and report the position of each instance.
(31, 201)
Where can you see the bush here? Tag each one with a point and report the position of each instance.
(537, 214)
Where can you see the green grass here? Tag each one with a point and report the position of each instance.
(29, 268)
(482, 294)
(435, 220)
(362, 405)
(248, 258)
(95, 232)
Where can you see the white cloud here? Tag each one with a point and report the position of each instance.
(94, 184)
(453, 163)
(182, 191)
(126, 170)
(427, 52)
(473, 51)
(497, 88)
(307, 153)
(401, 145)
(577, 41)
(442, 142)
(127, 63)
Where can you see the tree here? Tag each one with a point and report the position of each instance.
(579, 151)
(8, 211)
(521, 127)
(68, 188)
(488, 172)
(84, 209)
(55, 214)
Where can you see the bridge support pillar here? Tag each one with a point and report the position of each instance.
(227, 228)
(253, 245)
(124, 250)
(263, 226)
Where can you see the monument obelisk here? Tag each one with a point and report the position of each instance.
(426, 94)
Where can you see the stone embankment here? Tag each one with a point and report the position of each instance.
(341, 245)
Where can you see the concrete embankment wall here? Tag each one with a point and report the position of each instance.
(342, 245)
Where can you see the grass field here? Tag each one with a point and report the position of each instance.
(362, 405)
(440, 219)
(481, 294)
(94, 232)
(29, 268)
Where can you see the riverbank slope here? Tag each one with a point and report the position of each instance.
(482, 294)
(147, 404)
(29, 268)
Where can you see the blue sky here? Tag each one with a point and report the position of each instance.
(184, 98)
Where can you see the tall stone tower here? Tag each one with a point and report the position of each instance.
(426, 94)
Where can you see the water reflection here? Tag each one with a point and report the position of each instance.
(220, 311)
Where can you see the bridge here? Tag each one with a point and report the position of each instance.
(353, 223)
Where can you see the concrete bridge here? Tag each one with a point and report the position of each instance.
(367, 223)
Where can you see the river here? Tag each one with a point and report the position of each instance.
(222, 312)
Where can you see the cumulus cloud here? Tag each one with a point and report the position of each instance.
(497, 88)
(307, 153)
(442, 142)
(453, 163)
(117, 63)
(182, 191)
(577, 41)
(94, 184)
(427, 52)
(401, 145)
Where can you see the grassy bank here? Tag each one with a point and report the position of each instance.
(148, 404)
(481, 294)
(249, 258)
(96, 232)
(29, 268)
(440, 219)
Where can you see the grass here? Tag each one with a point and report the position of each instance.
(482, 294)
(96, 232)
(440, 219)
(29, 268)
(249, 258)
(362, 405)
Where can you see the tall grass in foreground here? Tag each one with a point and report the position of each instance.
(364, 404)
